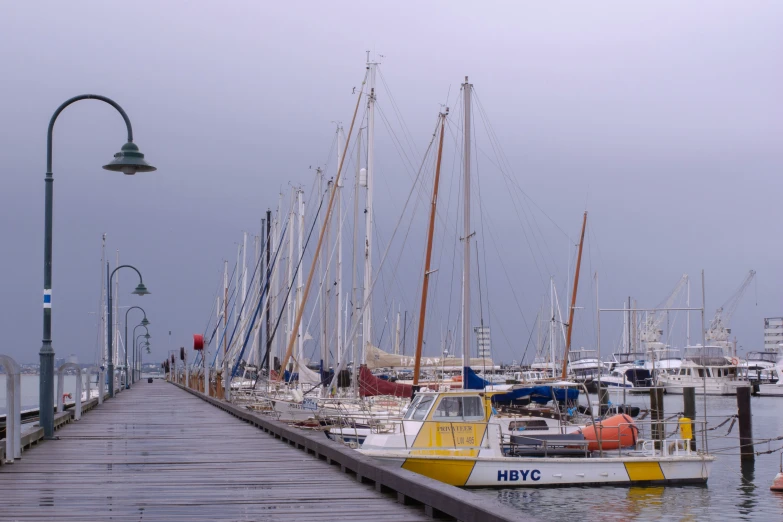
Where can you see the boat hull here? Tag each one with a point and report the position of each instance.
(771, 390)
(552, 472)
(712, 388)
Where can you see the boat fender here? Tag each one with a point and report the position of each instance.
(777, 484)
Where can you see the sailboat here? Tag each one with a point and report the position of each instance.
(455, 437)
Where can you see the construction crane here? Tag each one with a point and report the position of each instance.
(719, 326)
(651, 330)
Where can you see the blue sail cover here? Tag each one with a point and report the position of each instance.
(471, 381)
(537, 394)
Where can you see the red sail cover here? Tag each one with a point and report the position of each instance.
(370, 385)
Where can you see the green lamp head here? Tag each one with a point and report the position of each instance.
(129, 161)
(141, 290)
(147, 336)
(144, 322)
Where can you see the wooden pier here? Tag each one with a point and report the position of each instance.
(158, 452)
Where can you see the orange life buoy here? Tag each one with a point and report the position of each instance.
(734, 361)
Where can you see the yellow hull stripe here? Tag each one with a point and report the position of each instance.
(454, 472)
(644, 471)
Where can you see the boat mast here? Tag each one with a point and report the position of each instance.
(354, 316)
(397, 334)
(552, 324)
(290, 277)
(322, 286)
(466, 236)
(268, 343)
(299, 284)
(427, 259)
(242, 322)
(368, 210)
(225, 329)
(573, 297)
(277, 285)
(104, 275)
(339, 272)
(688, 316)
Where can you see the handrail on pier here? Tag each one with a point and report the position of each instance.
(13, 401)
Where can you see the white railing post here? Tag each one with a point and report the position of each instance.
(60, 390)
(101, 385)
(77, 410)
(13, 417)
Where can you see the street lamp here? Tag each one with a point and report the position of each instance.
(135, 344)
(140, 290)
(144, 322)
(130, 161)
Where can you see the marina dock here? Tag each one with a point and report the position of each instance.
(159, 452)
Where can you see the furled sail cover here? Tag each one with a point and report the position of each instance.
(370, 385)
(377, 358)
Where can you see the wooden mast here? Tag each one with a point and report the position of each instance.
(430, 233)
(573, 298)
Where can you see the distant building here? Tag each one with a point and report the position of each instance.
(773, 333)
(484, 344)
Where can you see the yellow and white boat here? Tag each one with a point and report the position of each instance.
(453, 437)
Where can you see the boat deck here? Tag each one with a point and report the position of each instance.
(156, 452)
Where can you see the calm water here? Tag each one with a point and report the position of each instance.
(30, 389)
(733, 492)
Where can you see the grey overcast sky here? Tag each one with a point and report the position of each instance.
(663, 119)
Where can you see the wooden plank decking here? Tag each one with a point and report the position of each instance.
(159, 453)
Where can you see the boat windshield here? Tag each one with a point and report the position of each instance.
(459, 408)
(770, 357)
(419, 407)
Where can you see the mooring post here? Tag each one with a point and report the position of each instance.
(656, 414)
(745, 423)
(689, 411)
(603, 400)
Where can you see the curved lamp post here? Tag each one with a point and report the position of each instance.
(145, 345)
(135, 341)
(129, 161)
(140, 290)
(144, 322)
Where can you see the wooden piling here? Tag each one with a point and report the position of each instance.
(603, 399)
(656, 415)
(689, 411)
(745, 423)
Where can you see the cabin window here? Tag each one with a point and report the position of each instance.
(419, 407)
(701, 372)
(459, 408)
(528, 425)
(449, 408)
(474, 409)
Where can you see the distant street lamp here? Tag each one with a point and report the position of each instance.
(144, 322)
(140, 290)
(130, 161)
(135, 346)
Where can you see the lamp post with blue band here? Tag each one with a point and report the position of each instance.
(128, 161)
